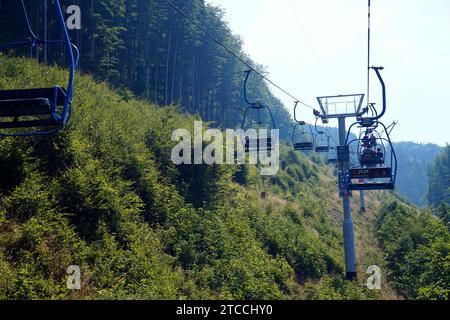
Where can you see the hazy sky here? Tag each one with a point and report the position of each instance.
(324, 53)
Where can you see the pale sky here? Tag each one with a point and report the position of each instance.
(324, 52)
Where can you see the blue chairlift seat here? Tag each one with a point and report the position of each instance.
(31, 107)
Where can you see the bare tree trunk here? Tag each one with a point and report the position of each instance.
(194, 67)
(174, 72)
(156, 83)
(45, 31)
(166, 93)
(180, 96)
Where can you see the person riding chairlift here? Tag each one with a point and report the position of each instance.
(379, 156)
(373, 141)
(368, 155)
(366, 141)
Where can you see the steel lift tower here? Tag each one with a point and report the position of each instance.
(342, 107)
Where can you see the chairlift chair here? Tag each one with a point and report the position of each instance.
(38, 111)
(332, 155)
(302, 135)
(321, 140)
(264, 120)
(375, 174)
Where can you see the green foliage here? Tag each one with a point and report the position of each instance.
(413, 162)
(12, 168)
(82, 198)
(443, 212)
(417, 247)
(38, 251)
(439, 179)
(338, 288)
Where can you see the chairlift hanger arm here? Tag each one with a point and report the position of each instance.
(383, 87)
(247, 76)
(295, 112)
(315, 127)
(394, 164)
(274, 126)
(300, 122)
(27, 20)
(349, 132)
(72, 64)
(372, 108)
(312, 134)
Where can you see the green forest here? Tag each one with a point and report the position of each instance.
(415, 158)
(148, 48)
(104, 194)
(439, 177)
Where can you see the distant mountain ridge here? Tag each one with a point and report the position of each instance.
(413, 161)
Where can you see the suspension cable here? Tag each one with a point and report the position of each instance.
(308, 40)
(234, 54)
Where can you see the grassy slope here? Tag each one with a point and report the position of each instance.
(104, 195)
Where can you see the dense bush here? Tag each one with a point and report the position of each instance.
(417, 247)
(439, 179)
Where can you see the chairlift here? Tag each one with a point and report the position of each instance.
(38, 111)
(302, 135)
(332, 155)
(257, 116)
(321, 140)
(376, 170)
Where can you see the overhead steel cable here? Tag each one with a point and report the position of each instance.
(308, 40)
(233, 53)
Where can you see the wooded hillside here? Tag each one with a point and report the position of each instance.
(149, 48)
